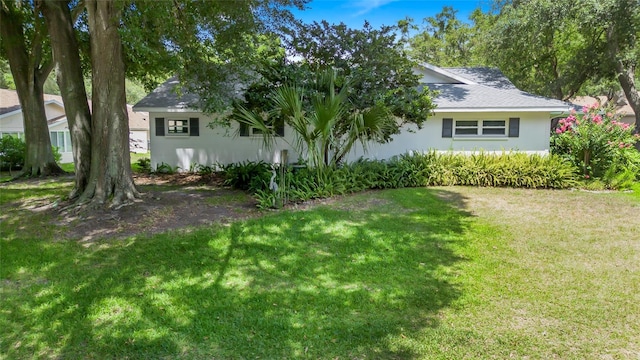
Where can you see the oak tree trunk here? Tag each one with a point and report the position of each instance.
(29, 73)
(66, 55)
(110, 179)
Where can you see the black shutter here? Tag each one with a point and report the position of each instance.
(244, 129)
(159, 126)
(514, 127)
(194, 127)
(447, 128)
(279, 127)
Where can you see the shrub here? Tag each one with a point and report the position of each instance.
(57, 157)
(12, 152)
(428, 169)
(594, 141)
(247, 175)
(144, 164)
(165, 168)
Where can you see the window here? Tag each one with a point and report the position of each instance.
(494, 127)
(466, 127)
(15, 134)
(477, 127)
(177, 127)
(61, 140)
(246, 130)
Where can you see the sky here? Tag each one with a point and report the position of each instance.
(383, 12)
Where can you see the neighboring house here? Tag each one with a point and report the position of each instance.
(11, 123)
(478, 109)
(622, 107)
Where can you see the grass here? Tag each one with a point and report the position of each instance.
(441, 273)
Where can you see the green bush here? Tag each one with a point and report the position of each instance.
(428, 169)
(247, 175)
(144, 165)
(12, 153)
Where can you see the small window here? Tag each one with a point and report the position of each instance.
(466, 127)
(480, 128)
(178, 127)
(494, 127)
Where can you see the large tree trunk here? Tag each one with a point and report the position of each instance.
(71, 82)
(29, 73)
(110, 178)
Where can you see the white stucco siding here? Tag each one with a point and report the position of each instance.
(223, 146)
(533, 137)
(213, 146)
(12, 123)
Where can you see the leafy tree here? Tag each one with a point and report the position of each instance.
(24, 37)
(554, 47)
(374, 61)
(444, 40)
(146, 40)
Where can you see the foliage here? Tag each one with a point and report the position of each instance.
(144, 164)
(56, 154)
(426, 169)
(371, 73)
(594, 141)
(164, 168)
(374, 61)
(445, 40)
(12, 152)
(329, 129)
(247, 175)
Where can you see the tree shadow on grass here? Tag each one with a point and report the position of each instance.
(322, 283)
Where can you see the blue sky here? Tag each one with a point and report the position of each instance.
(383, 12)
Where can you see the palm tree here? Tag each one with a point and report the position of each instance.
(325, 124)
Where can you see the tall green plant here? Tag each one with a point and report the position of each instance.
(326, 131)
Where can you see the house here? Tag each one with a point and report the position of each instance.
(12, 123)
(621, 106)
(478, 109)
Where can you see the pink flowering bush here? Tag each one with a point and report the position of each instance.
(595, 141)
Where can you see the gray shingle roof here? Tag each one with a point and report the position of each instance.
(165, 96)
(492, 91)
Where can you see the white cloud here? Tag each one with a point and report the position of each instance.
(366, 6)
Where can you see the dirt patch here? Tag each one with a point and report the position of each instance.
(168, 202)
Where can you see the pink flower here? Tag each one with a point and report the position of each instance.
(585, 109)
(597, 119)
(558, 131)
(586, 176)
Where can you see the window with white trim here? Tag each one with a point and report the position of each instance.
(480, 128)
(177, 127)
(61, 140)
(494, 127)
(15, 134)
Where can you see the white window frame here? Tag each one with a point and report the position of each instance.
(465, 125)
(66, 140)
(480, 127)
(17, 134)
(169, 126)
(487, 126)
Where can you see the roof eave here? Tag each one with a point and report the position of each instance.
(165, 109)
(503, 109)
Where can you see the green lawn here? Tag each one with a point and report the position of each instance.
(440, 273)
